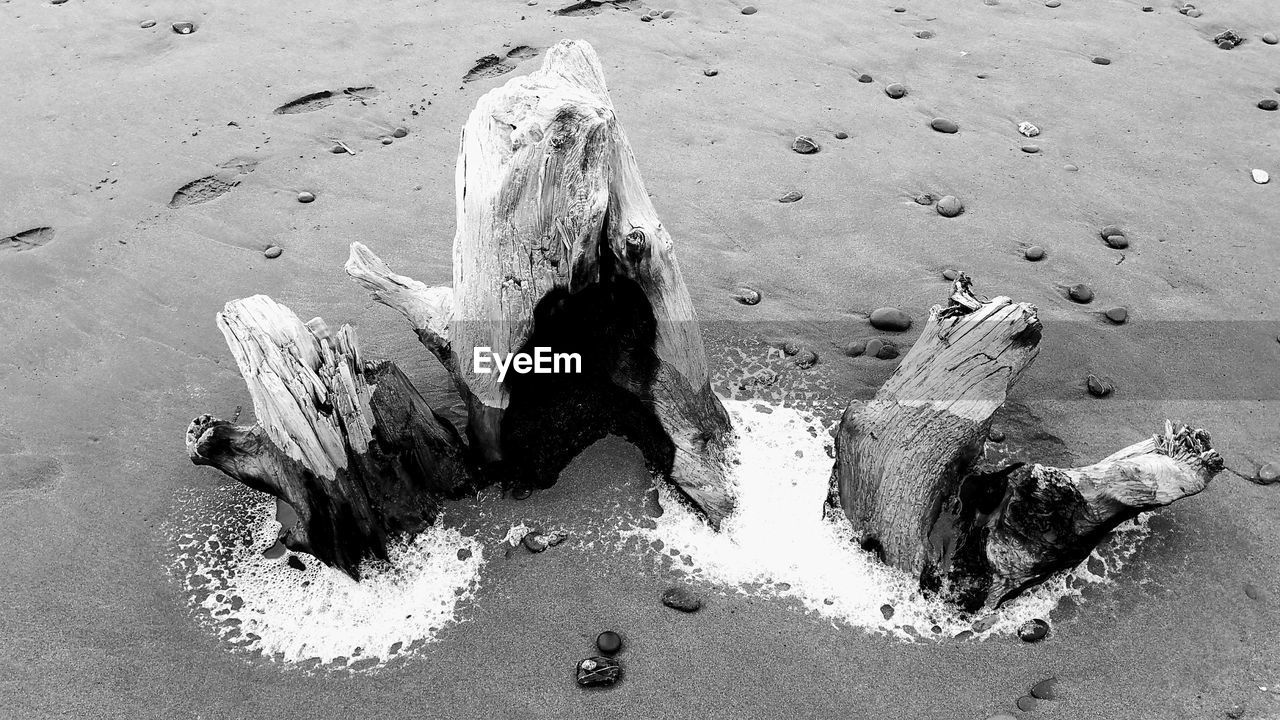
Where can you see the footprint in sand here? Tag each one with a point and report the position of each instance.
(491, 66)
(27, 240)
(325, 98)
(201, 191)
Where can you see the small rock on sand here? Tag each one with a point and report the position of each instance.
(598, 671)
(899, 9)
(1031, 149)
(147, 24)
(1080, 293)
(1268, 104)
(806, 359)
(895, 90)
(1045, 689)
(926, 199)
(1235, 712)
(1253, 592)
(865, 78)
(924, 34)
(1118, 315)
(609, 642)
(842, 135)
(1114, 237)
(950, 274)
(855, 348)
(1099, 60)
(1028, 130)
(805, 145)
(273, 251)
(399, 132)
(184, 28)
(306, 197)
(943, 125)
(1026, 703)
(1270, 38)
(874, 346)
(887, 351)
(1268, 474)
(1052, 4)
(1098, 387)
(1260, 176)
(1070, 168)
(747, 296)
(889, 318)
(887, 611)
(791, 197)
(749, 10)
(666, 14)
(682, 599)
(711, 72)
(1035, 253)
(950, 206)
(1033, 630)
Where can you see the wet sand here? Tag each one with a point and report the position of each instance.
(111, 346)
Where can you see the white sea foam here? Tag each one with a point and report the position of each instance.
(779, 542)
(321, 614)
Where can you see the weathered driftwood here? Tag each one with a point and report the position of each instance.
(558, 246)
(904, 465)
(349, 445)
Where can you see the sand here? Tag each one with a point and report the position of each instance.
(111, 286)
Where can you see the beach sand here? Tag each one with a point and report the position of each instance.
(110, 346)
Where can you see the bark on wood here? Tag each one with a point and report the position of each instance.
(904, 465)
(559, 246)
(351, 446)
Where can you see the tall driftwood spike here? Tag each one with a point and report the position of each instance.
(904, 465)
(559, 246)
(351, 447)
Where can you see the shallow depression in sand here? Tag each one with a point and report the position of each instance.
(779, 541)
(319, 615)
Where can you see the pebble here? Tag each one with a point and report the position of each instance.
(598, 671)
(791, 197)
(747, 296)
(711, 72)
(1228, 39)
(806, 359)
(464, 553)
(842, 135)
(1099, 60)
(1236, 711)
(147, 24)
(950, 274)
(1026, 703)
(895, 90)
(1045, 689)
(950, 206)
(887, 351)
(646, 18)
(1268, 104)
(887, 611)
(926, 199)
(924, 34)
(1269, 473)
(1031, 149)
(1070, 168)
(1033, 630)
(296, 563)
(184, 28)
(337, 149)
(1117, 241)
(534, 542)
(855, 348)
(899, 9)
(1194, 13)
(56, 2)
(1148, 8)
(1028, 129)
(890, 318)
(865, 78)
(1260, 176)
(749, 10)
(386, 140)
(666, 14)
(995, 435)
(944, 125)
(1080, 293)
(1035, 253)
(1270, 38)
(306, 197)
(399, 132)
(874, 346)
(273, 251)
(805, 145)
(1052, 3)
(1118, 315)
(984, 623)
(1098, 387)
(682, 599)
(1252, 591)
(609, 642)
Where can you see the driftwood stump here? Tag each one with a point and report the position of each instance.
(349, 445)
(558, 246)
(904, 465)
